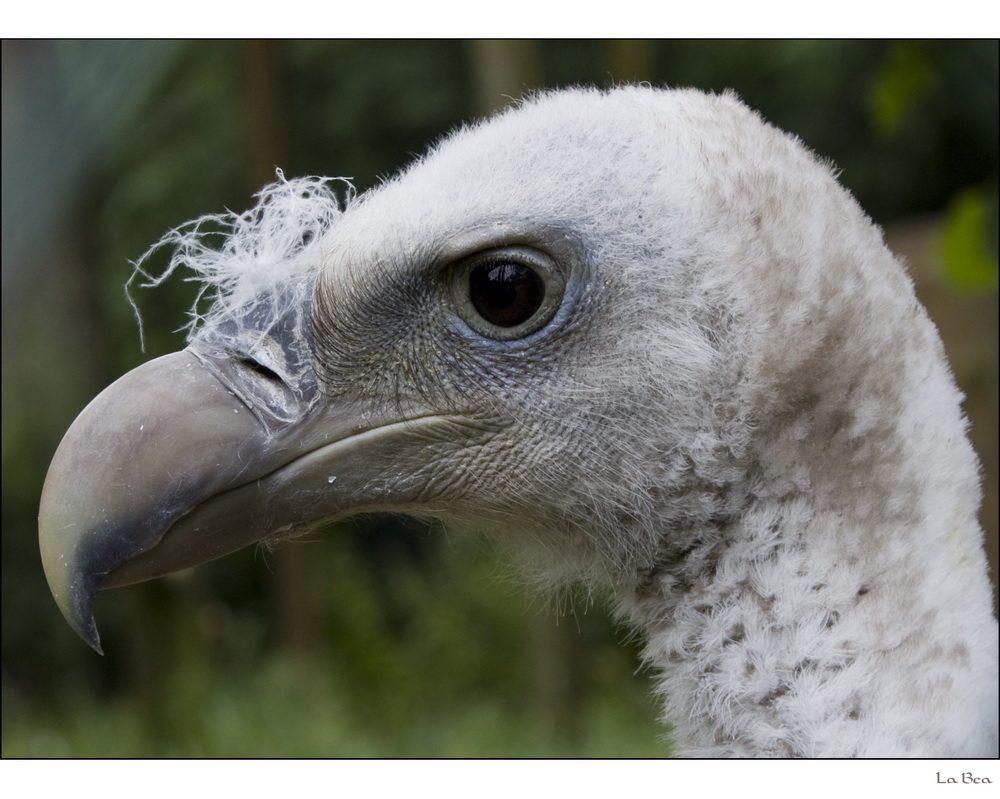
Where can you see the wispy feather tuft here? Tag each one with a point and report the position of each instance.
(239, 257)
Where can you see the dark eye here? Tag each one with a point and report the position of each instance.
(507, 293)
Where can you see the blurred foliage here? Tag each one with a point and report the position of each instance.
(969, 240)
(446, 680)
(906, 78)
(281, 709)
(418, 648)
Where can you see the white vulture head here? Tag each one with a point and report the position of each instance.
(641, 337)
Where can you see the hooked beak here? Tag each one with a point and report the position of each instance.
(191, 457)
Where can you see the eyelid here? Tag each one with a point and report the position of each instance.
(539, 262)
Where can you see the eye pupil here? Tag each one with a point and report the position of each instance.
(507, 293)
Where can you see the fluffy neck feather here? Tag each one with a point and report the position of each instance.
(770, 646)
(845, 610)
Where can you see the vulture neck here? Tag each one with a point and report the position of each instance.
(845, 609)
(769, 648)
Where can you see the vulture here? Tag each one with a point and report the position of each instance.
(638, 335)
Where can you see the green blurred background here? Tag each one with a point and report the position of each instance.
(384, 637)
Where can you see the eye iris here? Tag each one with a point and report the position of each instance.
(506, 294)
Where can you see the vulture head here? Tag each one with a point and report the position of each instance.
(640, 336)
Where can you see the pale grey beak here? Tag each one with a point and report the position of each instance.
(199, 453)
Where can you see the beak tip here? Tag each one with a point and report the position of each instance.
(90, 635)
(74, 593)
(79, 613)
(87, 630)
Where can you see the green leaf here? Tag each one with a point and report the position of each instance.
(906, 78)
(969, 262)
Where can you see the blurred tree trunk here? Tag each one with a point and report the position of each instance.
(291, 577)
(266, 148)
(628, 60)
(503, 70)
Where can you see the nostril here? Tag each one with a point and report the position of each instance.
(271, 396)
(256, 366)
